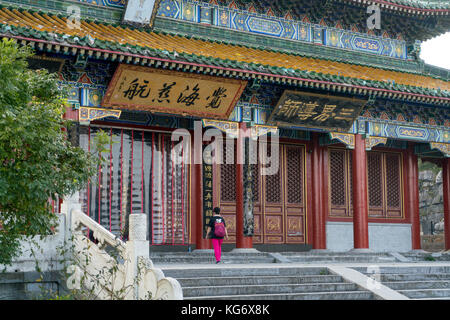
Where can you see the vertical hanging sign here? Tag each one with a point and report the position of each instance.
(207, 189)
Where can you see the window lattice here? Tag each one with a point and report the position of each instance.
(227, 178)
(384, 182)
(294, 163)
(374, 164)
(273, 183)
(393, 180)
(350, 177)
(337, 177)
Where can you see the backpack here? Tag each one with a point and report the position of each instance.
(219, 229)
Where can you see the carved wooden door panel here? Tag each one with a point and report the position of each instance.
(375, 183)
(393, 164)
(284, 198)
(226, 193)
(294, 158)
(273, 189)
(340, 182)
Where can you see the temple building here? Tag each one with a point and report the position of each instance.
(347, 102)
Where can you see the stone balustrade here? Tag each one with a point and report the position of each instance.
(98, 262)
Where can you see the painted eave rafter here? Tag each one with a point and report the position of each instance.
(174, 64)
(406, 9)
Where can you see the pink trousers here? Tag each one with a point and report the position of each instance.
(217, 245)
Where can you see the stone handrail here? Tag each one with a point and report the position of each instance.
(125, 271)
(103, 236)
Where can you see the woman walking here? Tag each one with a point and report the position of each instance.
(217, 229)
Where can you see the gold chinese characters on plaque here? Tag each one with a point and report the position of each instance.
(172, 92)
(300, 109)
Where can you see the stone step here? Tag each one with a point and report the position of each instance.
(242, 272)
(413, 285)
(419, 269)
(267, 289)
(207, 253)
(211, 260)
(436, 298)
(426, 293)
(428, 256)
(414, 277)
(343, 295)
(339, 258)
(255, 280)
(334, 253)
(203, 257)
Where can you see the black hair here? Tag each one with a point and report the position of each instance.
(216, 210)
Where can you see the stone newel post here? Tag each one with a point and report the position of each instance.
(137, 241)
(137, 245)
(138, 227)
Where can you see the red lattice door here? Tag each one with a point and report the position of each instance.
(393, 185)
(294, 194)
(273, 214)
(340, 182)
(226, 174)
(278, 199)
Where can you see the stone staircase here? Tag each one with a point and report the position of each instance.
(417, 282)
(264, 283)
(300, 275)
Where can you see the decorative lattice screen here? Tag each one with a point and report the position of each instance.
(337, 177)
(294, 163)
(393, 180)
(384, 183)
(375, 185)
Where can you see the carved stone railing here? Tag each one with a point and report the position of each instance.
(109, 268)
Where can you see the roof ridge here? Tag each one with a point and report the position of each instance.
(161, 46)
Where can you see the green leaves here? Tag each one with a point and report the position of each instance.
(37, 161)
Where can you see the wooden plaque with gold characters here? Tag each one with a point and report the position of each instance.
(172, 92)
(311, 110)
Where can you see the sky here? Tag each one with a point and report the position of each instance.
(436, 51)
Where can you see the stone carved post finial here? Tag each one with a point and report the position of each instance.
(138, 227)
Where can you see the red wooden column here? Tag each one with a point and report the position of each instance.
(360, 195)
(196, 189)
(446, 195)
(412, 205)
(319, 228)
(242, 242)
